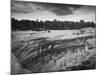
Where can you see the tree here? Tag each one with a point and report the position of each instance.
(49, 25)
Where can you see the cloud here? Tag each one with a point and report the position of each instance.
(62, 12)
(58, 9)
(21, 7)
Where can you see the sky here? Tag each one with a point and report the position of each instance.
(50, 11)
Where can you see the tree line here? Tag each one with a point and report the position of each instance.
(49, 25)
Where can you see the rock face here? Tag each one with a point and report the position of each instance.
(43, 55)
(16, 67)
(64, 60)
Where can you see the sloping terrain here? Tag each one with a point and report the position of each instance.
(62, 50)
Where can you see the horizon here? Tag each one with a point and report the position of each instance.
(50, 20)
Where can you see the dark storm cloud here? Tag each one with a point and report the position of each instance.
(62, 12)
